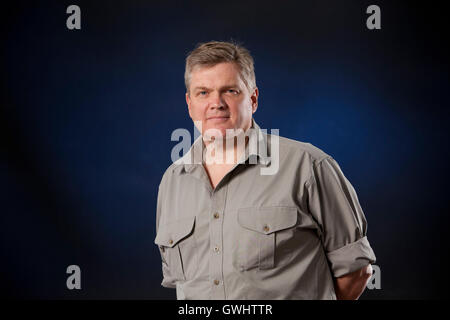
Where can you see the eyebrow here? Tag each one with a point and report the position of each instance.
(200, 88)
(222, 88)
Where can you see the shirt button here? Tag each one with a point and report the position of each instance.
(216, 215)
(216, 249)
(266, 228)
(216, 282)
(170, 241)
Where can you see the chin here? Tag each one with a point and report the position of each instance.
(222, 128)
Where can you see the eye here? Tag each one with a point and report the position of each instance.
(233, 91)
(202, 93)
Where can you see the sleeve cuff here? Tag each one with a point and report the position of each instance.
(351, 257)
(168, 284)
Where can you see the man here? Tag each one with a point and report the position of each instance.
(227, 231)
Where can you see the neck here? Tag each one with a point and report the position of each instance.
(225, 151)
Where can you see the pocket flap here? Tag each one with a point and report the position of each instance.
(170, 234)
(267, 219)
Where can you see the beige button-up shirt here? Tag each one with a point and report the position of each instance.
(255, 236)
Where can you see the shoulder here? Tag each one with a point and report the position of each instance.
(170, 172)
(303, 150)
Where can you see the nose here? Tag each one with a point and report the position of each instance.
(216, 101)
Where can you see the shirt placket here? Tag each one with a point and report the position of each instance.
(218, 198)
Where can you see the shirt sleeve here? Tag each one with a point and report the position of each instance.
(168, 280)
(333, 203)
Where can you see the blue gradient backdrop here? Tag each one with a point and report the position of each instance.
(86, 119)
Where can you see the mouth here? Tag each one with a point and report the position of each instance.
(218, 119)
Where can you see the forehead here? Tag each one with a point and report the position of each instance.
(225, 73)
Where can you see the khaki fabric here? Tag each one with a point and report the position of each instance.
(280, 236)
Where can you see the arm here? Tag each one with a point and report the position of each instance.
(342, 226)
(352, 285)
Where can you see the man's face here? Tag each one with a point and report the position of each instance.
(219, 98)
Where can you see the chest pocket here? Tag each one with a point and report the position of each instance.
(265, 237)
(177, 246)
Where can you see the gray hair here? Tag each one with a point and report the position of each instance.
(214, 52)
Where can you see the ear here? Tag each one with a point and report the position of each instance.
(254, 98)
(188, 102)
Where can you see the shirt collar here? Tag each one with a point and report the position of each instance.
(256, 151)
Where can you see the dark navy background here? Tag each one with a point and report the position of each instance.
(86, 119)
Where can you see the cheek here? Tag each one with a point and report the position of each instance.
(242, 108)
(236, 104)
(198, 111)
